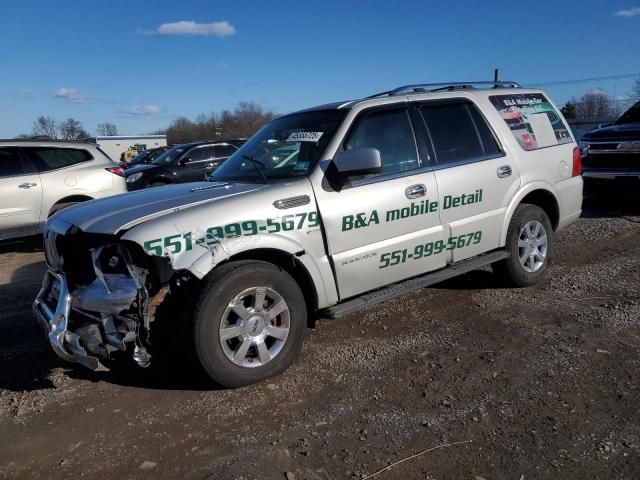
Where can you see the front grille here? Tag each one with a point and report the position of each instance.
(630, 161)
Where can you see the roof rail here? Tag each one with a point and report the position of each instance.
(444, 86)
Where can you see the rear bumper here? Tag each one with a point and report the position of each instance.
(569, 200)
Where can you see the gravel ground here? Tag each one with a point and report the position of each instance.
(536, 383)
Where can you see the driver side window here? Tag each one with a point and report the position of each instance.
(390, 132)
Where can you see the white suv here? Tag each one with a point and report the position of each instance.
(38, 178)
(328, 210)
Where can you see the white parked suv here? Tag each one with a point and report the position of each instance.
(38, 178)
(322, 212)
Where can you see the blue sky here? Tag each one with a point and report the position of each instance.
(131, 63)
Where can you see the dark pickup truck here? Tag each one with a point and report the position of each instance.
(611, 155)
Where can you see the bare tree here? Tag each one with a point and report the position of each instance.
(243, 121)
(71, 129)
(45, 126)
(107, 129)
(595, 104)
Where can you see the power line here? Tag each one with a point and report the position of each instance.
(583, 80)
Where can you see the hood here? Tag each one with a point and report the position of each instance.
(140, 167)
(113, 214)
(614, 133)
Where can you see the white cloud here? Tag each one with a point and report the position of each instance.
(189, 27)
(632, 12)
(70, 95)
(143, 110)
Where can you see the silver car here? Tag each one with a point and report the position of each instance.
(38, 178)
(322, 212)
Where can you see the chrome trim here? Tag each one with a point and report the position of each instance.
(292, 202)
(504, 171)
(65, 343)
(415, 191)
(55, 322)
(613, 151)
(610, 174)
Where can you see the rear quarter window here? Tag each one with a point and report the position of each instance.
(46, 159)
(532, 120)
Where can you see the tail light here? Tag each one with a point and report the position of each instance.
(577, 162)
(116, 171)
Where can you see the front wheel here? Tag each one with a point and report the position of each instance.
(249, 323)
(529, 240)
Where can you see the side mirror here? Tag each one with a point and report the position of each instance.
(359, 161)
(184, 160)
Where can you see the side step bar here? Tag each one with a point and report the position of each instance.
(416, 283)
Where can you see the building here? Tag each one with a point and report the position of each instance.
(124, 147)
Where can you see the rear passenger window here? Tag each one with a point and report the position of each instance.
(390, 132)
(459, 133)
(532, 120)
(223, 151)
(52, 158)
(10, 164)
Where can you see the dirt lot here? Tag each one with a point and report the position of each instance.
(540, 383)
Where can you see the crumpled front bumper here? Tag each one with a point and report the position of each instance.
(52, 308)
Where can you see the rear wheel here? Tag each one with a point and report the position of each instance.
(249, 323)
(529, 240)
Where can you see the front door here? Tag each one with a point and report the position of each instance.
(476, 177)
(383, 228)
(20, 192)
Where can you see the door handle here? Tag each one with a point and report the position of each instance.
(504, 171)
(27, 185)
(415, 191)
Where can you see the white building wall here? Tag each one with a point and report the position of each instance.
(116, 146)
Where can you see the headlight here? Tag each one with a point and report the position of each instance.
(134, 177)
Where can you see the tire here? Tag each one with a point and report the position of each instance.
(60, 206)
(520, 270)
(235, 358)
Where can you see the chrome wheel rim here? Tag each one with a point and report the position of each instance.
(532, 246)
(254, 327)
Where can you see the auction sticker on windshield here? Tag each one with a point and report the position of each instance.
(305, 137)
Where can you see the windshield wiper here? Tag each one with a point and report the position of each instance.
(255, 163)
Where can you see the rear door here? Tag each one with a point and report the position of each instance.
(476, 177)
(20, 190)
(386, 227)
(195, 169)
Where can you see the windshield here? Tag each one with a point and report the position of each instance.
(171, 154)
(287, 147)
(630, 116)
(141, 157)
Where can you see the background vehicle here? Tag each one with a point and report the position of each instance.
(38, 178)
(611, 155)
(191, 162)
(146, 156)
(330, 209)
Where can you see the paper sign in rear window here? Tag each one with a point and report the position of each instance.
(532, 120)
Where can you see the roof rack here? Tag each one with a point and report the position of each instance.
(445, 86)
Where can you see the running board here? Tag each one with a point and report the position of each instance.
(416, 283)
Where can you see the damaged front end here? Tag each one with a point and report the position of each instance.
(100, 296)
